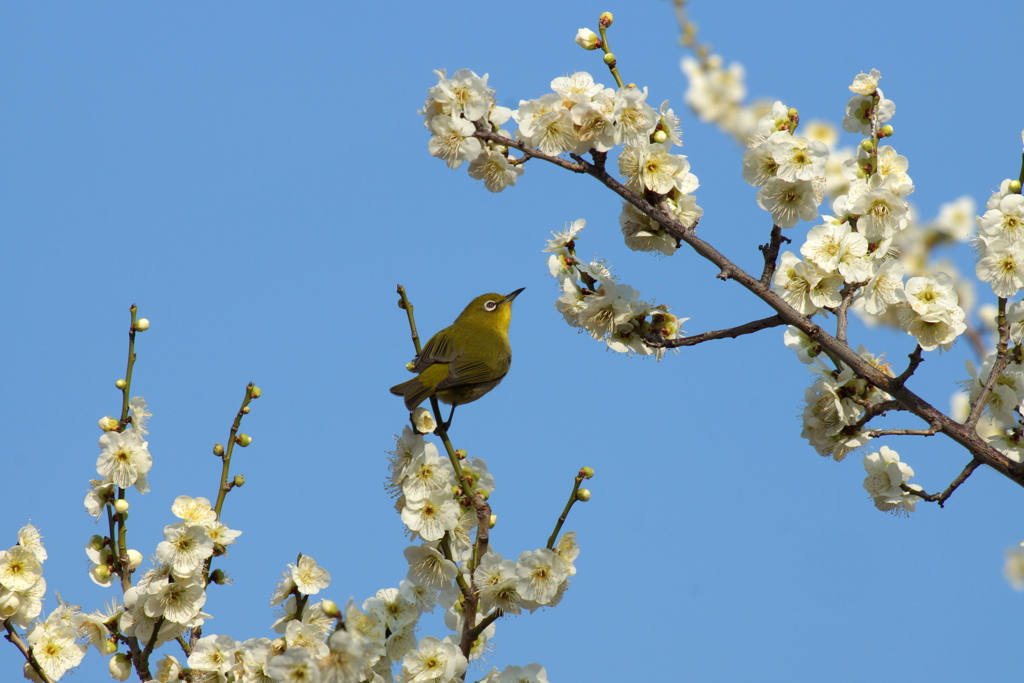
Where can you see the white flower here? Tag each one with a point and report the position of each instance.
(611, 306)
(125, 457)
(560, 240)
(634, 118)
(892, 170)
(465, 93)
(309, 578)
(861, 109)
(428, 567)
(884, 289)
(956, 218)
(179, 602)
(432, 515)
(880, 214)
(213, 653)
(296, 665)
(531, 673)
(788, 202)
(650, 166)
(806, 348)
(886, 474)
(193, 510)
(805, 286)
(29, 537)
(643, 234)
(140, 413)
(19, 568)
(866, 84)
(800, 159)
(838, 247)
(1006, 221)
(495, 170)
(1002, 267)
(496, 581)
(427, 474)
(54, 648)
(345, 662)
(433, 660)
(184, 548)
(774, 120)
(1013, 568)
(539, 574)
(453, 140)
(579, 87)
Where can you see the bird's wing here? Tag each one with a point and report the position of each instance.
(442, 348)
(472, 371)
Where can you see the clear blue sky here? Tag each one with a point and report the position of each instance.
(255, 178)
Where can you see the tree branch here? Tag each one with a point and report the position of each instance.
(941, 498)
(729, 333)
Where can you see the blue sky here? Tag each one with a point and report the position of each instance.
(255, 178)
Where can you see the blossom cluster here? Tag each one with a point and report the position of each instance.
(716, 93)
(1000, 241)
(608, 310)
(886, 479)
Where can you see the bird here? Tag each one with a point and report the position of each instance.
(465, 360)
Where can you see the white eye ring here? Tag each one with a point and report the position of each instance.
(490, 305)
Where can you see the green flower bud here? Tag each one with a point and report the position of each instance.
(460, 453)
(606, 19)
(121, 506)
(243, 440)
(96, 542)
(245, 410)
(109, 424)
(141, 325)
(483, 493)
(218, 449)
(587, 472)
(120, 384)
(867, 144)
(587, 39)
(492, 521)
(1014, 186)
(885, 131)
(239, 480)
(255, 393)
(330, 608)
(583, 495)
(120, 666)
(218, 577)
(609, 59)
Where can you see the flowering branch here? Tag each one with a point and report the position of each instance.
(577, 494)
(941, 498)
(729, 333)
(15, 639)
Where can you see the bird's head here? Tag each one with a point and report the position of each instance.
(490, 310)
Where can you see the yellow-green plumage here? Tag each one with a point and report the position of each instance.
(464, 361)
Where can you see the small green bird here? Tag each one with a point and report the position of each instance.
(464, 361)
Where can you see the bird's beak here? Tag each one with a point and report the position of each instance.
(508, 299)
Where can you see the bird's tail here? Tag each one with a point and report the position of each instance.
(413, 391)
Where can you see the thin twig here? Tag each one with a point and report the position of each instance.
(771, 254)
(14, 637)
(941, 498)
(730, 333)
(875, 433)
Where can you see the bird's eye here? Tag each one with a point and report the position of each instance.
(490, 305)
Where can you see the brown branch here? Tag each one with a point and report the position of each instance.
(484, 134)
(657, 342)
(873, 410)
(960, 433)
(771, 254)
(915, 359)
(1002, 360)
(842, 313)
(875, 433)
(941, 498)
(14, 637)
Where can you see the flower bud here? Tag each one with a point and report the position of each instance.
(609, 59)
(239, 480)
(409, 366)
(885, 131)
(109, 646)
(867, 144)
(659, 136)
(9, 604)
(255, 393)
(109, 424)
(245, 410)
(100, 574)
(277, 647)
(330, 608)
(423, 421)
(587, 472)
(460, 453)
(218, 449)
(121, 506)
(120, 384)
(120, 666)
(492, 521)
(606, 19)
(141, 325)
(483, 493)
(587, 39)
(243, 440)
(1014, 186)
(134, 558)
(583, 495)
(218, 577)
